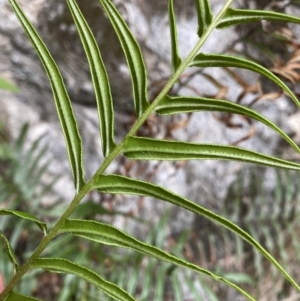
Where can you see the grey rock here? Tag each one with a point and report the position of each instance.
(205, 182)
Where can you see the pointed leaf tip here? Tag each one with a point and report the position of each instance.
(60, 265)
(185, 104)
(220, 60)
(109, 235)
(122, 185)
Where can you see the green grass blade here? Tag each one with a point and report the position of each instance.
(239, 16)
(34, 151)
(122, 278)
(13, 296)
(132, 284)
(12, 257)
(193, 289)
(154, 149)
(5, 85)
(99, 77)
(176, 287)
(26, 216)
(5, 267)
(240, 278)
(161, 275)
(72, 282)
(121, 185)
(107, 234)
(258, 259)
(295, 239)
(19, 144)
(220, 60)
(184, 104)
(62, 101)
(59, 265)
(176, 60)
(204, 15)
(70, 285)
(133, 56)
(147, 281)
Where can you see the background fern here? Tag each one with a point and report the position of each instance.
(149, 149)
(271, 215)
(21, 169)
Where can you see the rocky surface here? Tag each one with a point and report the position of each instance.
(53, 22)
(149, 22)
(205, 182)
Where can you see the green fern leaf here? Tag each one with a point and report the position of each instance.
(239, 16)
(59, 265)
(176, 60)
(133, 56)
(184, 104)
(12, 257)
(121, 185)
(62, 101)
(219, 60)
(154, 149)
(109, 235)
(100, 79)
(204, 15)
(26, 216)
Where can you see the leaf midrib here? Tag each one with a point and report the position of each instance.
(113, 155)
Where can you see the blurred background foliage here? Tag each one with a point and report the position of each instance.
(272, 217)
(22, 168)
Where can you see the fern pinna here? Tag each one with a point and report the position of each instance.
(144, 148)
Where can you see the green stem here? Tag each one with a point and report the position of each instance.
(179, 71)
(115, 153)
